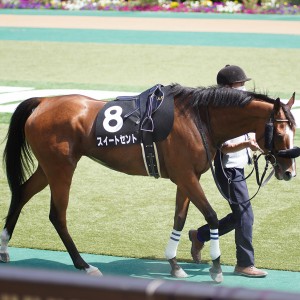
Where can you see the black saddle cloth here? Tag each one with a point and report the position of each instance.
(125, 121)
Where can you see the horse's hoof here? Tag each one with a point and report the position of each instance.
(96, 273)
(217, 276)
(93, 271)
(4, 257)
(179, 273)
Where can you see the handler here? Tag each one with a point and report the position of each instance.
(235, 154)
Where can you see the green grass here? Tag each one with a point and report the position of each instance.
(137, 67)
(116, 214)
(5, 118)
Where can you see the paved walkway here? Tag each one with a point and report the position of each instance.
(146, 24)
(152, 269)
(193, 29)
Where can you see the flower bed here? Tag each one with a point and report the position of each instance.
(204, 6)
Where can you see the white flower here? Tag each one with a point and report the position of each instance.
(229, 7)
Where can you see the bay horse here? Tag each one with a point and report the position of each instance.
(59, 130)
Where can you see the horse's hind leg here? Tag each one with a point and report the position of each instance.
(60, 188)
(182, 205)
(32, 186)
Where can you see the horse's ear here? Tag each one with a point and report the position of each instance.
(291, 101)
(277, 105)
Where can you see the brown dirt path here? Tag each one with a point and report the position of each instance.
(152, 24)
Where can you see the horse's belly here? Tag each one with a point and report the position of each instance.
(125, 159)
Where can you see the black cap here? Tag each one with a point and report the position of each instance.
(231, 74)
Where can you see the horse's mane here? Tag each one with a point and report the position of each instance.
(220, 96)
(216, 96)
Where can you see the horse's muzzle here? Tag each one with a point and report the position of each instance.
(287, 176)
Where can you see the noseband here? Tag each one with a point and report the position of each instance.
(269, 139)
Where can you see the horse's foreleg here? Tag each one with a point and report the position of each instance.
(60, 188)
(215, 253)
(4, 255)
(182, 205)
(32, 186)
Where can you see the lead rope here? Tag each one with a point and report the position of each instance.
(260, 182)
(230, 180)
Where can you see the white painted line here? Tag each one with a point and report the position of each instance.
(23, 95)
(9, 89)
(296, 114)
(19, 94)
(8, 108)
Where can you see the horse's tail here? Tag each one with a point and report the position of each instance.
(17, 158)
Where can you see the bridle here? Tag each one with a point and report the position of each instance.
(269, 139)
(269, 156)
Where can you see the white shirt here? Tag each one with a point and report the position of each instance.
(238, 159)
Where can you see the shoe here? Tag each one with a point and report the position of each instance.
(196, 247)
(249, 272)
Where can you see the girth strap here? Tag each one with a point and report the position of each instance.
(147, 127)
(151, 160)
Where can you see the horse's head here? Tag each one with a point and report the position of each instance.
(279, 140)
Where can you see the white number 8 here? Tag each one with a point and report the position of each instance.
(113, 113)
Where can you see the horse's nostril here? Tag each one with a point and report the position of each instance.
(287, 176)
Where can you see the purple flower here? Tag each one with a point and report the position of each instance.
(180, 7)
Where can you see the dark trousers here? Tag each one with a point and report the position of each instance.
(241, 219)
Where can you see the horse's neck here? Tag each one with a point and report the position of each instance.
(230, 122)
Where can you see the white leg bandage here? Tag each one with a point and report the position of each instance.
(4, 240)
(214, 244)
(171, 250)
